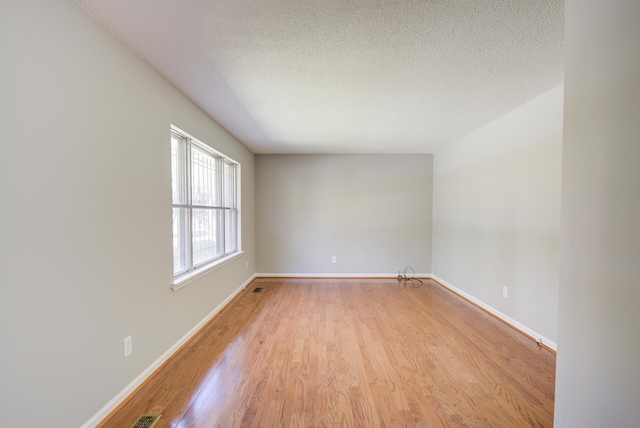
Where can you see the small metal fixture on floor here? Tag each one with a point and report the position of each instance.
(408, 276)
(257, 289)
(146, 421)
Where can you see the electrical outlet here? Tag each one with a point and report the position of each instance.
(504, 292)
(128, 346)
(333, 259)
(247, 264)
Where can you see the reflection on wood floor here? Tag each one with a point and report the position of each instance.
(350, 353)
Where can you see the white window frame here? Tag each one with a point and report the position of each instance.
(192, 270)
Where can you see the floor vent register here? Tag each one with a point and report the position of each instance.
(146, 421)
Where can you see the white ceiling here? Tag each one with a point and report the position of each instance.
(347, 76)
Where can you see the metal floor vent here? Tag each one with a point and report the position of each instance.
(257, 289)
(146, 421)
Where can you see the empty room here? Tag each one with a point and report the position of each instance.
(331, 213)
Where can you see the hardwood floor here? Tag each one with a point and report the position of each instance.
(350, 352)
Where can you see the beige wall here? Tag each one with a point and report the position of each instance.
(373, 212)
(496, 214)
(598, 366)
(86, 215)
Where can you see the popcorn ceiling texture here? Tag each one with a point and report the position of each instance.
(340, 76)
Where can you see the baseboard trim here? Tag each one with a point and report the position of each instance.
(543, 341)
(122, 397)
(337, 275)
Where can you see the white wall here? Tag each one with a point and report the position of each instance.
(496, 217)
(373, 212)
(598, 366)
(85, 223)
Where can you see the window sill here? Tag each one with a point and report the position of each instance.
(183, 280)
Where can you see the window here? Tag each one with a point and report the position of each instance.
(205, 193)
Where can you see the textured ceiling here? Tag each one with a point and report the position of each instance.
(340, 76)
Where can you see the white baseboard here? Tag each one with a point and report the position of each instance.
(335, 275)
(122, 395)
(508, 320)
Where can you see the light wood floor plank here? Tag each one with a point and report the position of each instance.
(350, 353)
